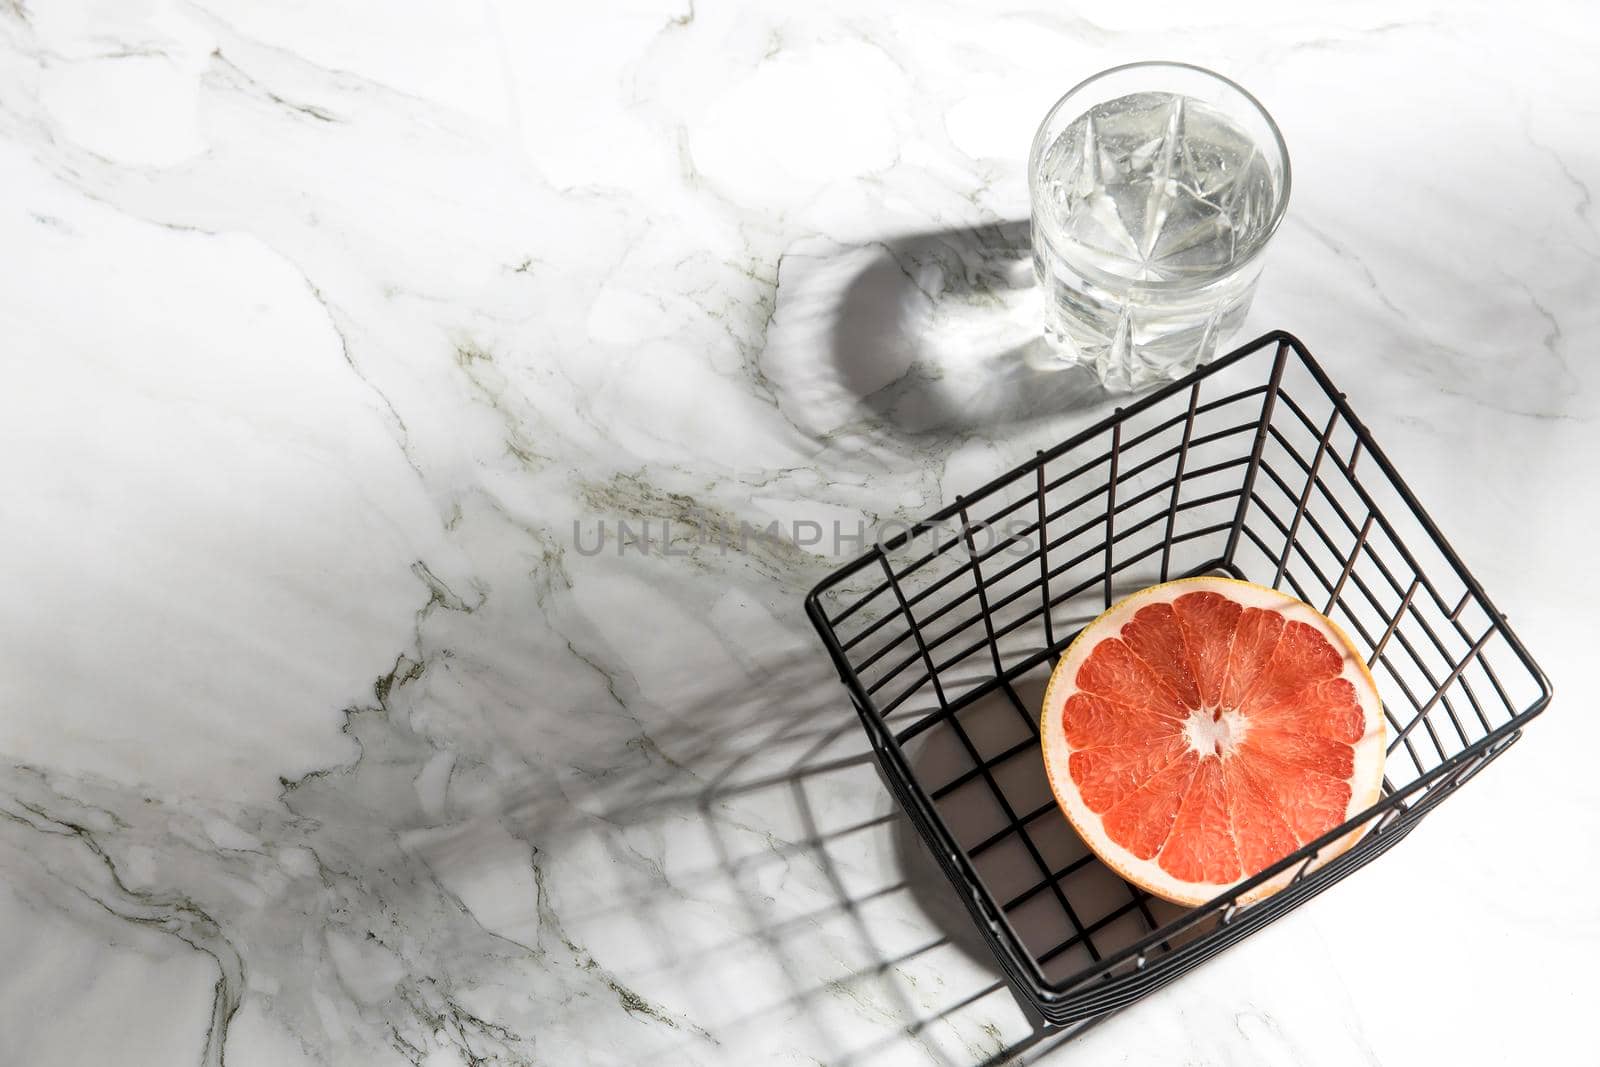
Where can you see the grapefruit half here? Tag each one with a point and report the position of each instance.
(1201, 730)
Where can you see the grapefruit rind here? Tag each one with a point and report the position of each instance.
(1366, 781)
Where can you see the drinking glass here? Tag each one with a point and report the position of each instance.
(1155, 188)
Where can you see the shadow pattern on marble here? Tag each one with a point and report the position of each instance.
(938, 333)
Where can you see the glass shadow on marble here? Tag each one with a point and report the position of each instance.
(939, 333)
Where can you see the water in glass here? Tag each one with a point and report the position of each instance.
(1148, 212)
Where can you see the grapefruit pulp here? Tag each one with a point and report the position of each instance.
(1201, 730)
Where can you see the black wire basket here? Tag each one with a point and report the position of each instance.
(1253, 467)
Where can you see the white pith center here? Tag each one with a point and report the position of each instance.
(1215, 731)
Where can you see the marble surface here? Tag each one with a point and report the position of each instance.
(321, 742)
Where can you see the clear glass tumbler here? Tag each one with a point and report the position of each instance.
(1155, 187)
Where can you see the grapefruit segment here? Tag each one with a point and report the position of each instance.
(1301, 658)
(1115, 673)
(1106, 775)
(1208, 621)
(1156, 638)
(1311, 803)
(1201, 730)
(1095, 722)
(1264, 837)
(1142, 820)
(1201, 847)
(1328, 707)
(1255, 639)
(1301, 749)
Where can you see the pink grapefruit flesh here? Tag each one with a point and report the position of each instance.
(1201, 730)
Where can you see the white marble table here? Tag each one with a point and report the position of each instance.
(321, 325)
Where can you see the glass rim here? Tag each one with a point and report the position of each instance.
(1279, 209)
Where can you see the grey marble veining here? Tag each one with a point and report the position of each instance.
(323, 738)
